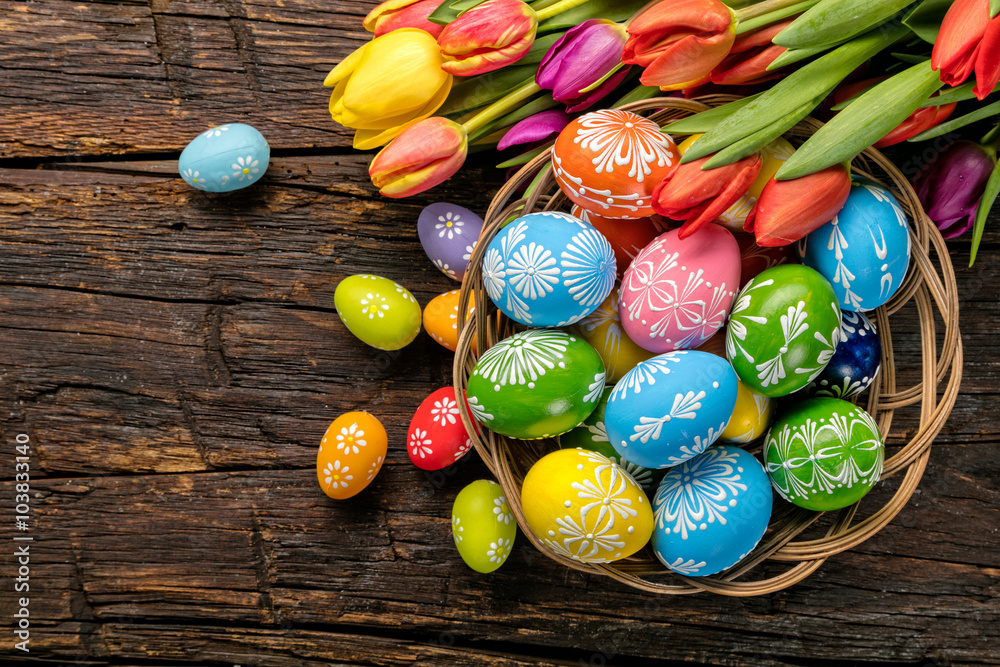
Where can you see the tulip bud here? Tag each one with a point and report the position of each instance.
(487, 37)
(788, 210)
(395, 14)
(969, 40)
(680, 42)
(423, 155)
(700, 196)
(749, 57)
(951, 186)
(542, 126)
(587, 54)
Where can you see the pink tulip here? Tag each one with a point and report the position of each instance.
(487, 37)
(425, 154)
(395, 14)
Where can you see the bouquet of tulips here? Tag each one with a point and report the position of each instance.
(441, 76)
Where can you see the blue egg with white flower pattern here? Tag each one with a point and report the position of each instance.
(711, 511)
(864, 251)
(449, 234)
(548, 269)
(225, 158)
(854, 364)
(670, 408)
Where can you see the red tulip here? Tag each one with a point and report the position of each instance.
(969, 40)
(788, 210)
(917, 122)
(487, 37)
(680, 42)
(749, 57)
(395, 14)
(425, 154)
(699, 196)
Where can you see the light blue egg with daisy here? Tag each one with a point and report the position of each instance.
(225, 158)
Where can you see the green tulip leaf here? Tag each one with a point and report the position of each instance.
(476, 91)
(833, 21)
(807, 85)
(767, 19)
(449, 10)
(538, 49)
(994, 8)
(753, 143)
(704, 121)
(956, 94)
(925, 19)
(869, 118)
(524, 158)
(613, 10)
(795, 55)
(956, 123)
(638, 94)
(909, 58)
(983, 210)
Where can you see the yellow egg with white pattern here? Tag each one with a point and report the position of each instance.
(751, 416)
(603, 330)
(585, 507)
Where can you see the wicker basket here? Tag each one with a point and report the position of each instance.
(930, 287)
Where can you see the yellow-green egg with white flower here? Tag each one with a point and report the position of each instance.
(225, 158)
(483, 526)
(379, 311)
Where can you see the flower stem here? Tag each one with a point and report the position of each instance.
(773, 16)
(558, 8)
(500, 107)
(762, 8)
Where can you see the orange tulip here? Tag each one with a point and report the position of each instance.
(699, 196)
(788, 210)
(969, 40)
(680, 42)
(487, 37)
(395, 14)
(424, 155)
(917, 122)
(749, 57)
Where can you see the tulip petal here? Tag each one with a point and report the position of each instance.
(345, 67)
(534, 128)
(688, 59)
(487, 37)
(718, 205)
(789, 210)
(954, 52)
(988, 61)
(425, 154)
(395, 14)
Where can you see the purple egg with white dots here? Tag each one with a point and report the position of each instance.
(448, 234)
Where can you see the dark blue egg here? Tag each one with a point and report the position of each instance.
(854, 364)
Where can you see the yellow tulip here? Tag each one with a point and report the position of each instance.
(387, 85)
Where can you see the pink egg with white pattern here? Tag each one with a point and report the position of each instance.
(677, 293)
(437, 437)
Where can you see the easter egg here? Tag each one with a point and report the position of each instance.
(864, 251)
(350, 454)
(592, 435)
(380, 312)
(670, 408)
(627, 237)
(676, 294)
(752, 415)
(225, 158)
(437, 437)
(609, 161)
(755, 259)
(824, 454)
(483, 526)
(711, 511)
(538, 383)
(448, 234)
(783, 330)
(548, 269)
(602, 329)
(854, 364)
(441, 318)
(582, 506)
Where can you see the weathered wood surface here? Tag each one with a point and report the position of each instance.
(175, 357)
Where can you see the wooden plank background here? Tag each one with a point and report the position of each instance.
(175, 357)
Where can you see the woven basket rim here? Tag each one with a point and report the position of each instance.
(930, 285)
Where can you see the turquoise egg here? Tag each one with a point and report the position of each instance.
(225, 158)
(548, 269)
(864, 251)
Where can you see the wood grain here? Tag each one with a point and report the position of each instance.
(175, 357)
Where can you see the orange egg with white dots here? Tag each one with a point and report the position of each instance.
(350, 454)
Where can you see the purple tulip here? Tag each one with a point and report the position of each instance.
(951, 186)
(580, 59)
(535, 129)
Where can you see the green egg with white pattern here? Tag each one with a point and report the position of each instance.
(783, 329)
(592, 435)
(379, 311)
(538, 383)
(483, 526)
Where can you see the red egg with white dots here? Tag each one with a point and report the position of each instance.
(609, 161)
(437, 437)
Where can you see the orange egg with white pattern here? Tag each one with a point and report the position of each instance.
(609, 161)
(441, 318)
(350, 454)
